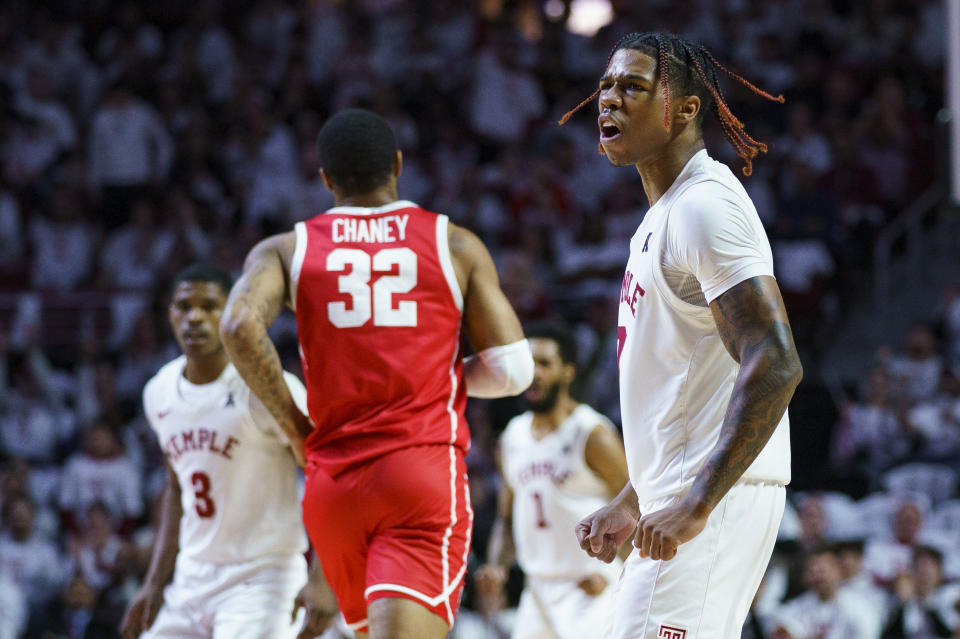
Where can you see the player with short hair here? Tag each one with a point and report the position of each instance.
(707, 359)
(560, 460)
(382, 290)
(230, 536)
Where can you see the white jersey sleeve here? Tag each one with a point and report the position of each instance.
(262, 417)
(716, 235)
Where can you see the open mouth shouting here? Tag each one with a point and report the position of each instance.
(608, 128)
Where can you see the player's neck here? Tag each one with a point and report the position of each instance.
(203, 370)
(371, 199)
(549, 421)
(661, 172)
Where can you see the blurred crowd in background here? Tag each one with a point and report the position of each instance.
(137, 138)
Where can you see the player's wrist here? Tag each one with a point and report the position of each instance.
(697, 506)
(626, 502)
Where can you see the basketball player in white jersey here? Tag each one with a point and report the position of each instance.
(228, 557)
(707, 359)
(560, 460)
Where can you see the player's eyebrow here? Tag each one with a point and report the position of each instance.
(628, 76)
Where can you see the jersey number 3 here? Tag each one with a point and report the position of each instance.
(201, 494)
(375, 301)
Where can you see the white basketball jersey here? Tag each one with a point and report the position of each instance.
(237, 476)
(553, 489)
(676, 376)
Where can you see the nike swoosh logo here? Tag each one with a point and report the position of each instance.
(163, 413)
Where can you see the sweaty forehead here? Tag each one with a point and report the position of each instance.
(630, 62)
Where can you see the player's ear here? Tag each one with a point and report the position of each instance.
(326, 180)
(398, 164)
(687, 109)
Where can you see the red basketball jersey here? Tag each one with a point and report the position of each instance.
(378, 314)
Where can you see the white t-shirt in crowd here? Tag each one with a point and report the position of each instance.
(846, 616)
(115, 482)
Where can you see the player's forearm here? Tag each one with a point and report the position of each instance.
(769, 374)
(256, 359)
(167, 542)
(501, 550)
(627, 500)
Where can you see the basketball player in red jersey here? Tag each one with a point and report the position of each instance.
(381, 289)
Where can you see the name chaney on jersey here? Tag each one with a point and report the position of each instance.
(392, 228)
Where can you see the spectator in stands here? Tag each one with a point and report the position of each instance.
(506, 96)
(43, 130)
(854, 579)
(812, 515)
(270, 160)
(31, 562)
(925, 606)
(936, 423)
(885, 558)
(129, 45)
(101, 472)
(825, 611)
(34, 422)
(73, 616)
(135, 254)
(96, 551)
(916, 373)
(803, 143)
(18, 478)
(130, 152)
(62, 243)
(869, 437)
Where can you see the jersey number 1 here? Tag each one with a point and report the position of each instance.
(541, 516)
(378, 299)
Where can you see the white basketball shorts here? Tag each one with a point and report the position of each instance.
(251, 600)
(560, 609)
(705, 591)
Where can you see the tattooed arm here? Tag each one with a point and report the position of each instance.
(255, 301)
(754, 327)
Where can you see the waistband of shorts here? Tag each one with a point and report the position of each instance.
(662, 501)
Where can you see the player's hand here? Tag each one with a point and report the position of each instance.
(141, 612)
(320, 609)
(593, 585)
(660, 533)
(602, 533)
(490, 580)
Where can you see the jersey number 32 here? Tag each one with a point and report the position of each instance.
(373, 301)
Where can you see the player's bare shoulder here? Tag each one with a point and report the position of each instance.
(467, 251)
(282, 245)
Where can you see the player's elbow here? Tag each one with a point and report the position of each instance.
(786, 363)
(501, 371)
(237, 328)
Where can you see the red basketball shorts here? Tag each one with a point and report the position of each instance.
(396, 526)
